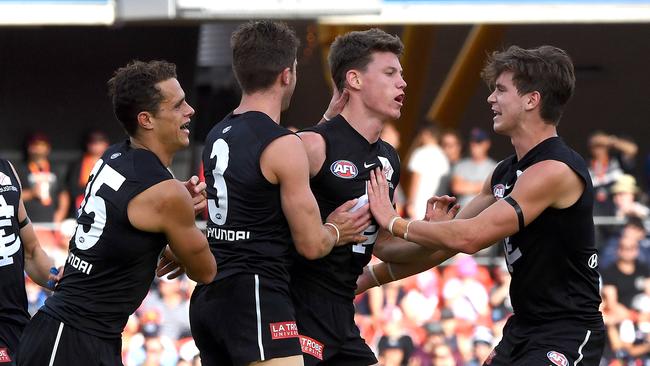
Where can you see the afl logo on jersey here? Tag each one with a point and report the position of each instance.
(499, 191)
(344, 169)
(557, 358)
(115, 156)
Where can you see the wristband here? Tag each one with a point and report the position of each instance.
(373, 275)
(391, 223)
(406, 233)
(390, 272)
(338, 233)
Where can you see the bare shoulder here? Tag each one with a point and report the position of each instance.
(151, 209)
(554, 180)
(316, 150)
(282, 153)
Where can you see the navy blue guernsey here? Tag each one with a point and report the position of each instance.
(348, 162)
(246, 228)
(13, 300)
(553, 261)
(110, 264)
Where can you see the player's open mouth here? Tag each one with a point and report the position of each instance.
(400, 99)
(185, 126)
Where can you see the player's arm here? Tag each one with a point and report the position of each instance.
(402, 259)
(546, 184)
(285, 162)
(167, 207)
(37, 262)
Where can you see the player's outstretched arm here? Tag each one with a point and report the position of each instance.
(38, 265)
(284, 162)
(167, 207)
(546, 184)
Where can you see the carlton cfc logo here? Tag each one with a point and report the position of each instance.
(344, 169)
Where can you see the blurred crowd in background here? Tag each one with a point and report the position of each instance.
(449, 315)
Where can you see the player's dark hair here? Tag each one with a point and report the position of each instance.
(545, 69)
(133, 89)
(260, 51)
(353, 51)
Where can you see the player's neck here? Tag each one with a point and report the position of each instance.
(164, 155)
(367, 123)
(528, 135)
(267, 102)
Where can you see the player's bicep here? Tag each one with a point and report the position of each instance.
(287, 160)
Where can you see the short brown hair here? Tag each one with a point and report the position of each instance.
(545, 69)
(133, 89)
(354, 51)
(260, 51)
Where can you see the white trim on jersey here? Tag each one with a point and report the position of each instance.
(580, 348)
(56, 343)
(259, 317)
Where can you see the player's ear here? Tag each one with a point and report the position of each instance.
(144, 120)
(285, 76)
(533, 99)
(353, 79)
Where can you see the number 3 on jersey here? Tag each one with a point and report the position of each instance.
(92, 214)
(219, 210)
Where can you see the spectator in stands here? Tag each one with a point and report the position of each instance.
(42, 182)
(172, 305)
(466, 295)
(624, 192)
(501, 307)
(96, 142)
(427, 165)
(482, 342)
(611, 157)
(395, 347)
(150, 347)
(470, 173)
(623, 280)
(634, 229)
(452, 146)
(443, 356)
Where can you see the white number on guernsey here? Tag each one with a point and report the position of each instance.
(371, 232)
(511, 255)
(93, 206)
(9, 241)
(219, 210)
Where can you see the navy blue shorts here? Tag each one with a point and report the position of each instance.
(555, 343)
(242, 319)
(328, 333)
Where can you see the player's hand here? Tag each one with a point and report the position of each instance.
(351, 223)
(441, 209)
(169, 264)
(380, 206)
(337, 103)
(364, 282)
(55, 276)
(198, 193)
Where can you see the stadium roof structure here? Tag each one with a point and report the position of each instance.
(57, 12)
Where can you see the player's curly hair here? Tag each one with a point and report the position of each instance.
(353, 51)
(546, 69)
(133, 89)
(260, 51)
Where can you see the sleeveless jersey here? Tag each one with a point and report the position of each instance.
(246, 228)
(553, 261)
(343, 176)
(13, 299)
(110, 263)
